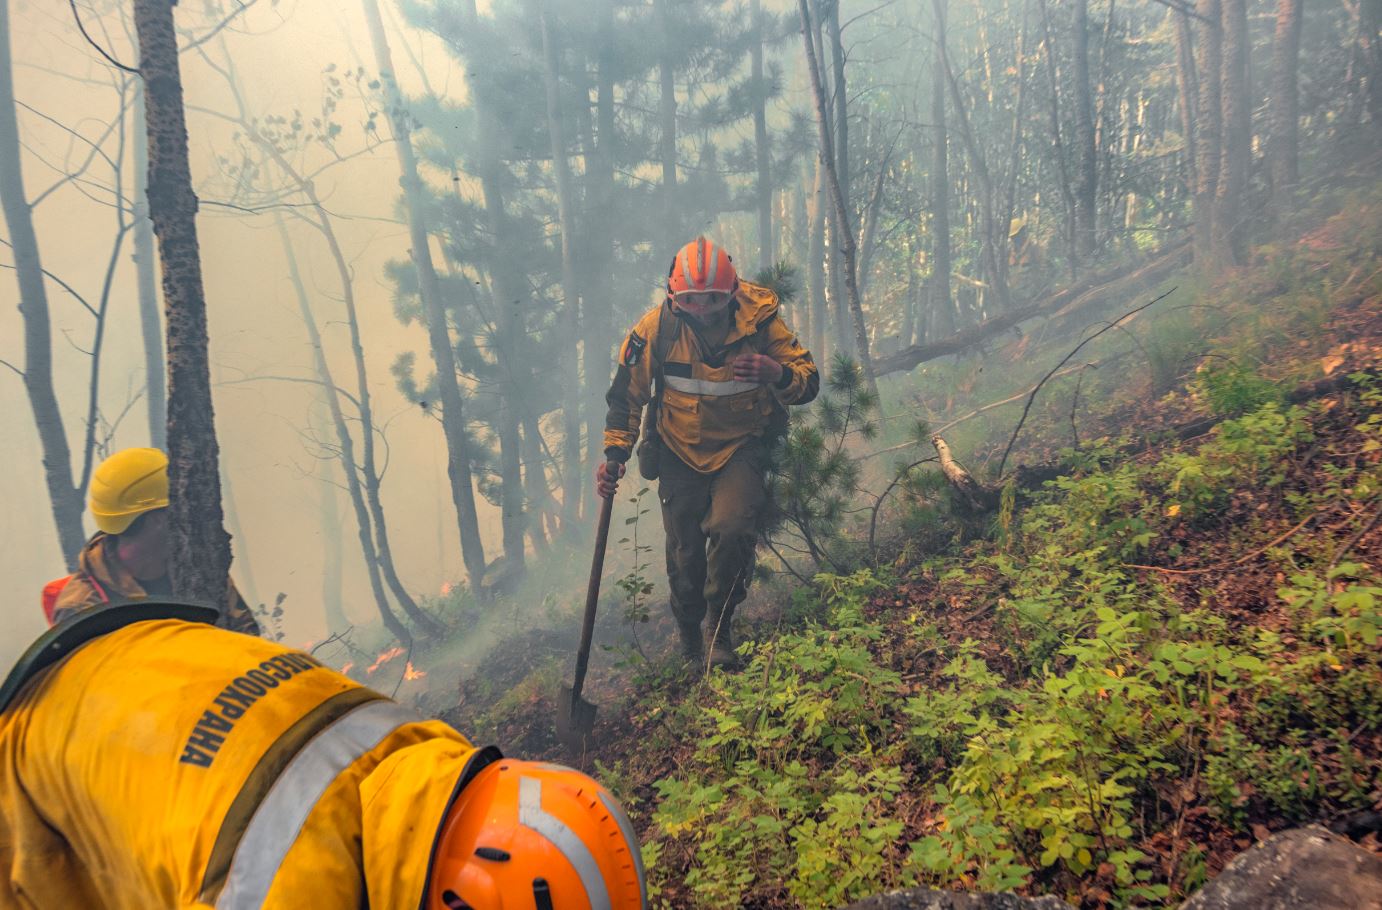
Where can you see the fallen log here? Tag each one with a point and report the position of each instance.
(984, 497)
(1064, 303)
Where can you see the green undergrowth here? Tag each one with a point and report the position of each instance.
(1041, 712)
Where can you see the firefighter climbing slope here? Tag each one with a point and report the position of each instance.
(716, 366)
(149, 759)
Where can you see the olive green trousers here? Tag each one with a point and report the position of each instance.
(712, 523)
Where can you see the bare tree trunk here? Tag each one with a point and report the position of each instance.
(835, 88)
(599, 304)
(667, 127)
(1188, 83)
(815, 262)
(767, 251)
(990, 242)
(510, 293)
(346, 447)
(368, 467)
(199, 547)
(438, 332)
(846, 235)
(33, 307)
(330, 518)
(1230, 223)
(534, 482)
(150, 323)
(1062, 168)
(1284, 104)
(1208, 129)
(1370, 28)
(1087, 171)
(942, 304)
(566, 214)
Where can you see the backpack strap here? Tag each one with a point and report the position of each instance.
(668, 327)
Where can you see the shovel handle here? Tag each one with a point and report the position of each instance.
(592, 596)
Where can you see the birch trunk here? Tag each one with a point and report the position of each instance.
(33, 307)
(438, 332)
(846, 235)
(345, 448)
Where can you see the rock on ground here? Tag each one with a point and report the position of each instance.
(1302, 867)
(951, 900)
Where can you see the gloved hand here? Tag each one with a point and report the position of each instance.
(759, 368)
(607, 478)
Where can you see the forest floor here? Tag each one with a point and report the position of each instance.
(1104, 691)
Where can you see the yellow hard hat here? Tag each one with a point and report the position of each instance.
(126, 485)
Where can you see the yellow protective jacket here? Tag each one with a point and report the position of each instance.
(172, 764)
(706, 415)
(102, 579)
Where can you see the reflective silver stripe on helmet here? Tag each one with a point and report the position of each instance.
(686, 270)
(531, 815)
(714, 255)
(707, 386)
(626, 827)
(280, 816)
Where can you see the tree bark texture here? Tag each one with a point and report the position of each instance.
(438, 332)
(1208, 128)
(1086, 168)
(835, 87)
(1283, 109)
(1062, 168)
(199, 547)
(941, 302)
(767, 251)
(1230, 232)
(566, 215)
(150, 320)
(345, 450)
(1187, 82)
(815, 259)
(845, 234)
(33, 307)
(991, 245)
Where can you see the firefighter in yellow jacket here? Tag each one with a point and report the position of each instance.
(718, 365)
(127, 558)
(151, 760)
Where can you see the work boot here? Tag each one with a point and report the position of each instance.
(722, 651)
(691, 648)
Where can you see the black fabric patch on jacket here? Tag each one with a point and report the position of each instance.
(634, 349)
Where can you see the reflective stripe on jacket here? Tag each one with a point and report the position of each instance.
(173, 764)
(101, 578)
(706, 414)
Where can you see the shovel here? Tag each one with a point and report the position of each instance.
(575, 715)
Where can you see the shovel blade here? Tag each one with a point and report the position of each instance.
(575, 720)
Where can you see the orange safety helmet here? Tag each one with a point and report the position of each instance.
(527, 834)
(701, 267)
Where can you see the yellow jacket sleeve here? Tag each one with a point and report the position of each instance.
(632, 387)
(800, 380)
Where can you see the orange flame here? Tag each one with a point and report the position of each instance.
(348, 666)
(383, 659)
(446, 588)
(410, 673)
